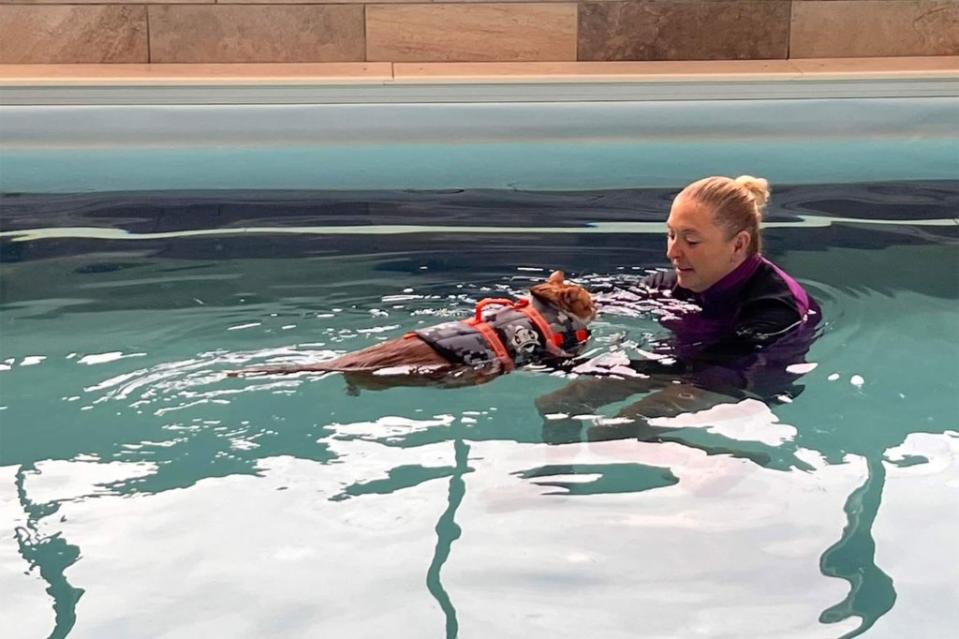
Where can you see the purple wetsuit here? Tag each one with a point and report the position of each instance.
(740, 334)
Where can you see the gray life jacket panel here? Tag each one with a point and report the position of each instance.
(462, 343)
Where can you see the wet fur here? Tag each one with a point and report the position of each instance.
(425, 364)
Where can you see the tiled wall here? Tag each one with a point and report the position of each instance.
(62, 31)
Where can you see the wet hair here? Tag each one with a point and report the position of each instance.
(735, 204)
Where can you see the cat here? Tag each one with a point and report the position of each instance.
(549, 326)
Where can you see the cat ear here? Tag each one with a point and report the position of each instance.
(557, 277)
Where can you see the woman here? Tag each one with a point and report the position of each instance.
(714, 244)
(737, 321)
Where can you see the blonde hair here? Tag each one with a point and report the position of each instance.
(736, 205)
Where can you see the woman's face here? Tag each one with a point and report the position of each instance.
(699, 249)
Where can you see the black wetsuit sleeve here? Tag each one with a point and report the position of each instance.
(765, 321)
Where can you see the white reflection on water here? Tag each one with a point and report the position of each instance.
(670, 562)
(104, 358)
(915, 532)
(26, 611)
(62, 480)
(730, 550)
(181, 562)
(748, 420)
(392, 426)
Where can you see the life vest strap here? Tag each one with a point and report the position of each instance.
(490, 301)
(524, 307)
(494, 342)
(581, 335)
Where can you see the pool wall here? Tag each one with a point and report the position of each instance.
(537, 146)
(535, 126)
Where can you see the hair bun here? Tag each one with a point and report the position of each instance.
(757, 187)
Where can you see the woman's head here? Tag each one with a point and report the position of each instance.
(714, 225)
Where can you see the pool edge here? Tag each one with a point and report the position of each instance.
(371, 82)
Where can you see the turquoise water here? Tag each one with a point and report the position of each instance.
(144, 493)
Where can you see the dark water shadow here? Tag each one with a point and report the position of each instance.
(399, 478)
(613, 478)
(448, 531)
(853, 558)
(51, 555)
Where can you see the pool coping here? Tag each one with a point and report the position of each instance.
(384, 82)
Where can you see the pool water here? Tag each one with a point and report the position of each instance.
(145, 493)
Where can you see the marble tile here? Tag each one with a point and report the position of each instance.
(850, 28)
(263, 33)
(68, 34)
(684, 30)
(471, 32)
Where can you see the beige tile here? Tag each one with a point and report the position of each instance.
(321, 1)
(848, 28)
(498, 1)
(685, 71)
(66, 34)
(942, 65)
(466, 72)
(263, 33)
(676, 30)
(274, 2)
(190, 74)
(471, 32)
(379, 73)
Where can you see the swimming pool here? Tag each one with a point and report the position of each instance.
(143, 489)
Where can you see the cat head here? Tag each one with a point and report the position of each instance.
(565, 296)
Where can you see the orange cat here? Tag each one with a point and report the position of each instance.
(548, 326)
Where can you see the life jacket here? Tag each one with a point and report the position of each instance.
(519, 333)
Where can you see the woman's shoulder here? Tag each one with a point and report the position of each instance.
(770, 282)
(773, 302)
